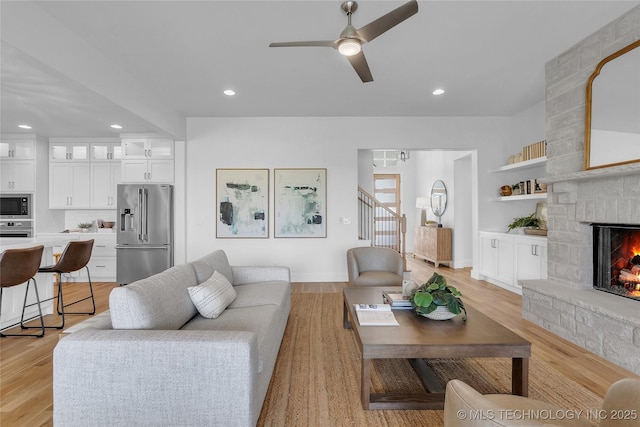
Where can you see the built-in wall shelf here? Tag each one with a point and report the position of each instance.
(522, 197)
(533, 163)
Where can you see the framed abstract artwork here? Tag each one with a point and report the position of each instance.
(242, 203)
(300, 197)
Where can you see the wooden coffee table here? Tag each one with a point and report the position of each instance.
(418, 338)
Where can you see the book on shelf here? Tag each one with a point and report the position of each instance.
(396, 300)
(375, 315)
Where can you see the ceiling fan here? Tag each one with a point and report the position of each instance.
(351, 39)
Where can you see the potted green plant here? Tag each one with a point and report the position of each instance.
(85, 226)
(530, 221)
(437, 300)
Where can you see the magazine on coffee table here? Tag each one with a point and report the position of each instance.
(396, 300)
(375, 315)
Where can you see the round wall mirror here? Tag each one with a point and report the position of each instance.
(438, 199)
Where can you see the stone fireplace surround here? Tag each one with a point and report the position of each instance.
(566, 303)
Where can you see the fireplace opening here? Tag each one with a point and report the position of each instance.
(616, 257)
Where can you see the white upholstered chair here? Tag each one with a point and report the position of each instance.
(464, 406)
(374, 266)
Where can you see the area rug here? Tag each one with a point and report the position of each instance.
(316, 381)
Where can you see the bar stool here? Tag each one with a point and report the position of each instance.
(75, 256)
(16, 267)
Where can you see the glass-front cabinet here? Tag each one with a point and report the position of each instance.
(106, 151)
(147, 148)
(17, 148)
(64, 151)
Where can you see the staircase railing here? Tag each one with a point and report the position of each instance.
(380, 225)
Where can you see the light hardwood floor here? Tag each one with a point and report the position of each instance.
(26, 363)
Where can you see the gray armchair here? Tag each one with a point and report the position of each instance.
(621, 408)
(372, 266)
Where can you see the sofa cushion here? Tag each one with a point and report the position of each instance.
(212, 296)
(253, 294)
(260, 319)
(157, 302)
(215, 261)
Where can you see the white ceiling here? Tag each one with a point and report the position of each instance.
(71, 68)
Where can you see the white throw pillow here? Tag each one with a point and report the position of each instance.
(213, 296)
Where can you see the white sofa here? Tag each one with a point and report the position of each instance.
(155, 361)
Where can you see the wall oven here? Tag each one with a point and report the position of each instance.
(16, 229)
(16, 206)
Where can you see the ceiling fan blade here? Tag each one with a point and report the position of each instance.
(359, 63)
(322, 43)
(388, 21)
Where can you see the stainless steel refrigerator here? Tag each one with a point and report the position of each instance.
(144, 242)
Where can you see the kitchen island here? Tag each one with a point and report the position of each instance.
(13, 298)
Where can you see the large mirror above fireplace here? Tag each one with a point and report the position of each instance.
(612, 126)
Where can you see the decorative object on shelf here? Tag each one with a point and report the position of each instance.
(536, 231)
(422, 203)
(242, 203)
(541, 214)
(527, 222)
(515, 189)
(300, 202)
(438, 301)
(439, 200)
(505, 190)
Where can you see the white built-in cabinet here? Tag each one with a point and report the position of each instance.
(69, 185)
(61, 150)
(148, 160)
(84, 174)
(18, 164)
(105, 178)
(505, 259)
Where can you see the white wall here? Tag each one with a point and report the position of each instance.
(318, 142)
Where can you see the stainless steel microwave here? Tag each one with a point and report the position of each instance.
(16, 206)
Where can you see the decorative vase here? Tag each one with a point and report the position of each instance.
(505, 190)
(440, 313)
(407, 287)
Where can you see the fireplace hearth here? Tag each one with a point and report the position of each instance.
(616, 257)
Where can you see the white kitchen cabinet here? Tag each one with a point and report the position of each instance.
(507, 258)
(147, 160)
(530, 259)
(102, 264)
(496, 256)
(106, 151)
(63, 150)
(147, 148)
(18, 176)
(105, 177)
(69, 185)
(156, 171)
(18, 148)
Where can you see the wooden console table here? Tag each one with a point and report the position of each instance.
(433, 244)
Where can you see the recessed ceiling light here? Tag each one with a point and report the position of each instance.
(229, 92)
(25, 127)
(116, 126)
(438, 92)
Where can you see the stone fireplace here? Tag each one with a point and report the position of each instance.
(567, 303)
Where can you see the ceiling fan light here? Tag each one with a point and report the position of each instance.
(349, 47)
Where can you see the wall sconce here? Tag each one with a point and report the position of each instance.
(404, 155)
(423, 203)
